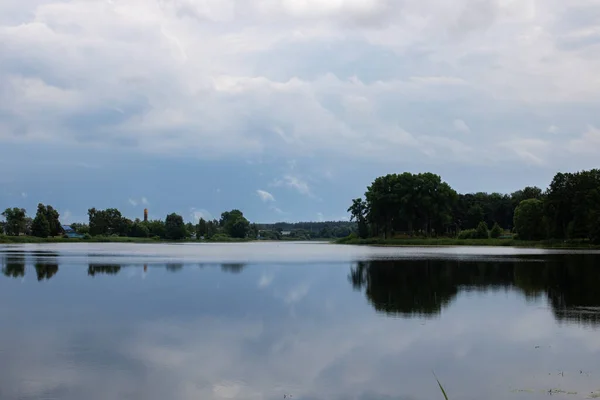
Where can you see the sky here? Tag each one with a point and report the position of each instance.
(288, 109)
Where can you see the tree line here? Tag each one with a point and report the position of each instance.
(110, 222)
(423, 204)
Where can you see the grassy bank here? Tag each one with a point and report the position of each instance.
(545, 244)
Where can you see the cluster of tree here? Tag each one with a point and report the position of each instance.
(424, 288)
(46, 222)
(424, 204)
(306, 230)
(110, 222)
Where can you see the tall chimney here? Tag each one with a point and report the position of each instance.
(145, 215)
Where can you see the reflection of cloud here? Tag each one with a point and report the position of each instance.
(297, 293)
(265, 280)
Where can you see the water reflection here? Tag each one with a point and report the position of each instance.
(233, 268)
(45, 270)
(423, 288)
(13, 266)
(109, 269)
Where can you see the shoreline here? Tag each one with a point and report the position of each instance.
(449, 242)
(119, 239)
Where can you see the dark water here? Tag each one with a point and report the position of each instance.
(319, 322)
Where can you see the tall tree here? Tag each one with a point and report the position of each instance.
(15, 221)
(234, 223)
(175, 227)
(358, 212)
(201, 230)
(529, 220)
(40, 226)
(108, 222)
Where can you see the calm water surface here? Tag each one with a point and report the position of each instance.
(317, 321)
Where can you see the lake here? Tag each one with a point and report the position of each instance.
(310, 321)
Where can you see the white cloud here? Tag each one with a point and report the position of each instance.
(531, 151)
(553, 129)
(196, 78)
(461, 126)
(320, 217)
(265, 196)
(24, 195)
(144, 201)
(133, 202)
(294, 182)
(588, 143)
(277, 210)
(197, 214)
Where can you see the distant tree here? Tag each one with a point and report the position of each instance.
(234, 224)
(496, 231)
(139, 229)
(40, 226)
(80, 228)
(212, 228)
(190, 230)
(253, 231)
(475, 215)
(530, 192)
(201, 229)
(53, 218)
(529, 220)
(156, 228)
(482, 231)
(108, 222)
(175, 227)
(15, 221)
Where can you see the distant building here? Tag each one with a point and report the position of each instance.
(286, 233)
(70, 232)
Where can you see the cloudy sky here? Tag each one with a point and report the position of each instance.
(287, 109)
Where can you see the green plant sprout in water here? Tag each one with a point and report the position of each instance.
(441, 387)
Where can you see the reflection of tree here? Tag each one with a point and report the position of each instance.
(233, 268)
(45, 270)
(174, 267)
(14, 266)
(107, 269)
(46, 264)
(425, 287)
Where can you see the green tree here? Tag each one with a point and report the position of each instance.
(52, 216)
(234, 224)
(475, 216)
(482, 231)
(358, 212)
(201, 228)
(212, 228)
(175, 227)
(496, 231)
(80, 228)
(529, 220)
(139, 229)
(108, 222)
(156, 228)
(15, 221)
(40, 226)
